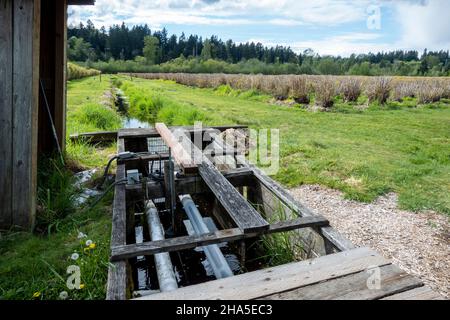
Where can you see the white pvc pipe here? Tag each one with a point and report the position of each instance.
(164, 267)
(215, 257)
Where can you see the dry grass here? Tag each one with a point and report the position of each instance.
(379, 89)
(350, 88)
(325, 91)
(300, 87)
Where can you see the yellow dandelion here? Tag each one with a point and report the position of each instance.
(92, 246)
(37, 294)
(82, 286)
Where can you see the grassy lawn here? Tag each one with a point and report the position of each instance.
(365, 154)
(86, 112)
(34, 266)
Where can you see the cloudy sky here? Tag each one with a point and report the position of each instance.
(337, 27)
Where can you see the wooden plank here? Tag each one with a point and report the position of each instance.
(191, 184)
(153, 133)
(117, 272)
(269, 281)
(334, 241)
(6, 112)
(95, 137)
(422, 293)
(356, 286)
(179, 153)
(242, 212)
(189, 242)
(60, 40)
(25, 110)
(333, 237)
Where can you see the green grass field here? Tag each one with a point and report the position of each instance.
(398, 147)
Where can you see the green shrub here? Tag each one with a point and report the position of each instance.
(77, 72)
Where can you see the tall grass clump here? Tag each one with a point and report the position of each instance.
(325, 90)
(94, 117)
(430, 91)
(300, 90)
(56, 194)
(77, 72)
(379, 89)
(350, 89)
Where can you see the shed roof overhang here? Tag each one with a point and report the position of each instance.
(80, 2)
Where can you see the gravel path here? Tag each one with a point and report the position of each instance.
(419, 243)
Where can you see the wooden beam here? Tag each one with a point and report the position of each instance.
(242, 212)
(331, 236)
(117, 272)
(422, 293)
(179, 153)
(6, 113)
(254, 285)
(189, 242)
(354, 287)
(191, 184)
(95, 137)
(26, 33)
(153, 133)
(60, 45)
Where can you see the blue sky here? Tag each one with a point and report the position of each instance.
(337, 27)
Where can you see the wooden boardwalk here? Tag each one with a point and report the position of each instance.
(347, 275)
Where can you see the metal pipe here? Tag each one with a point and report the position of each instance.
(164, 268)
(215, 257)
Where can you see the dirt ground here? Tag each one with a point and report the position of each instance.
(419, 243)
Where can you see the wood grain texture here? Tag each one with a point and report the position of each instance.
(179, 150)
(254, 285)
(60, 40)
(121, 252)
(6, 113)
(117, 272)
(422, 293)
(354, 287)
(242, 212)
(25, 110)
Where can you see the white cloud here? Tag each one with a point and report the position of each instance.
(343, 44)
(425, 24)
(230, 12)
(421, 23)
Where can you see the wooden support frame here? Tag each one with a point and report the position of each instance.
(117, 272)
(229, 235)
(334, 241)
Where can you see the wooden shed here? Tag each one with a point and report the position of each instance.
(33, 42)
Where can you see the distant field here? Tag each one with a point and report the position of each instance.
(364, 152)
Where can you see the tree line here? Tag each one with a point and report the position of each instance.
(141, 46)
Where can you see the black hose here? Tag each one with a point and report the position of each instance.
(105, 174)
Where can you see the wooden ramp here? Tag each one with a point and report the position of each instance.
(348, 275)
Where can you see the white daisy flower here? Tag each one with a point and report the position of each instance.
(63, 295)
(74, 256)
(81, 235)
(88, 243)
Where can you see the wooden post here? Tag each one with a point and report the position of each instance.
(19, 88)
(60, 70)
(6, 59)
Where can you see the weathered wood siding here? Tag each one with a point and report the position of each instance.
(19, 78)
